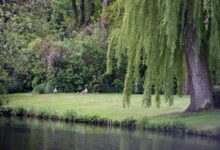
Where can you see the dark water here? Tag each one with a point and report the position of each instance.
(26, 134)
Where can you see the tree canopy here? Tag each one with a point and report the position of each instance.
(161, 43)
(153, 33)
(43, 44)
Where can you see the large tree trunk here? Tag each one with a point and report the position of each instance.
(82, 11)
(75, 10)
(200, 85)
(91, 6)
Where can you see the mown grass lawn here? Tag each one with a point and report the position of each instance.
(106, 105)
(110, 106)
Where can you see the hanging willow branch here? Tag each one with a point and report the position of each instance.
(152, 32)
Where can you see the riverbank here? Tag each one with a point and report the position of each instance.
(26, 134)
(107, 110)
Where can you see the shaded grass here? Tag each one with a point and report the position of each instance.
(107, 109)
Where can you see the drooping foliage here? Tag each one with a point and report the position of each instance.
(152, 34)
(113, 14)
(214, 43)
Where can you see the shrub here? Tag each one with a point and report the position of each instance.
(53, 114)
(47, 114)
(98, 120)
(2, 90)
(31, 112)
(128, 122)
(1, 102)
(116, 123)
(48, 88)
(40, 89)
(70, 115)
(103, 121)
(19, 111)
(6, 111)
(178, 125)
(143, 122)
(165, 126)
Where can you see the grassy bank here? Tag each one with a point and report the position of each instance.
(107, 109)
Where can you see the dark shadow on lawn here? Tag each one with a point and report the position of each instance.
(185, 114)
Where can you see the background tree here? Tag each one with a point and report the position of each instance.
(19, 24)
(48, 47)
(91, 10)
(76, 14)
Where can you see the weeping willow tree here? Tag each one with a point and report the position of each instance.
(166, 36)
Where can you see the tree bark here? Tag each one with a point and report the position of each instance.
(91, 10)
(200, 85)
(82, 11)
(75, 10)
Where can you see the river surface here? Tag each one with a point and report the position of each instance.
(29, 134)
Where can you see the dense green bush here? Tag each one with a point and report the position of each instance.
(49, 49)
(178, 125)
(129, 122)
(71, 64)
(1, 101)
(44, 88)
(143, 122)
(47, 114)
(2, 90)
(70, 115)
(19, 111)
(40, 89)
(49, 87)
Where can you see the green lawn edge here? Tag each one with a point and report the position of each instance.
(166, 118)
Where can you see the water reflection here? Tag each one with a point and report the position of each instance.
(29, 134)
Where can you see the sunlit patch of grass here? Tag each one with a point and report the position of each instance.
(106, 105)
